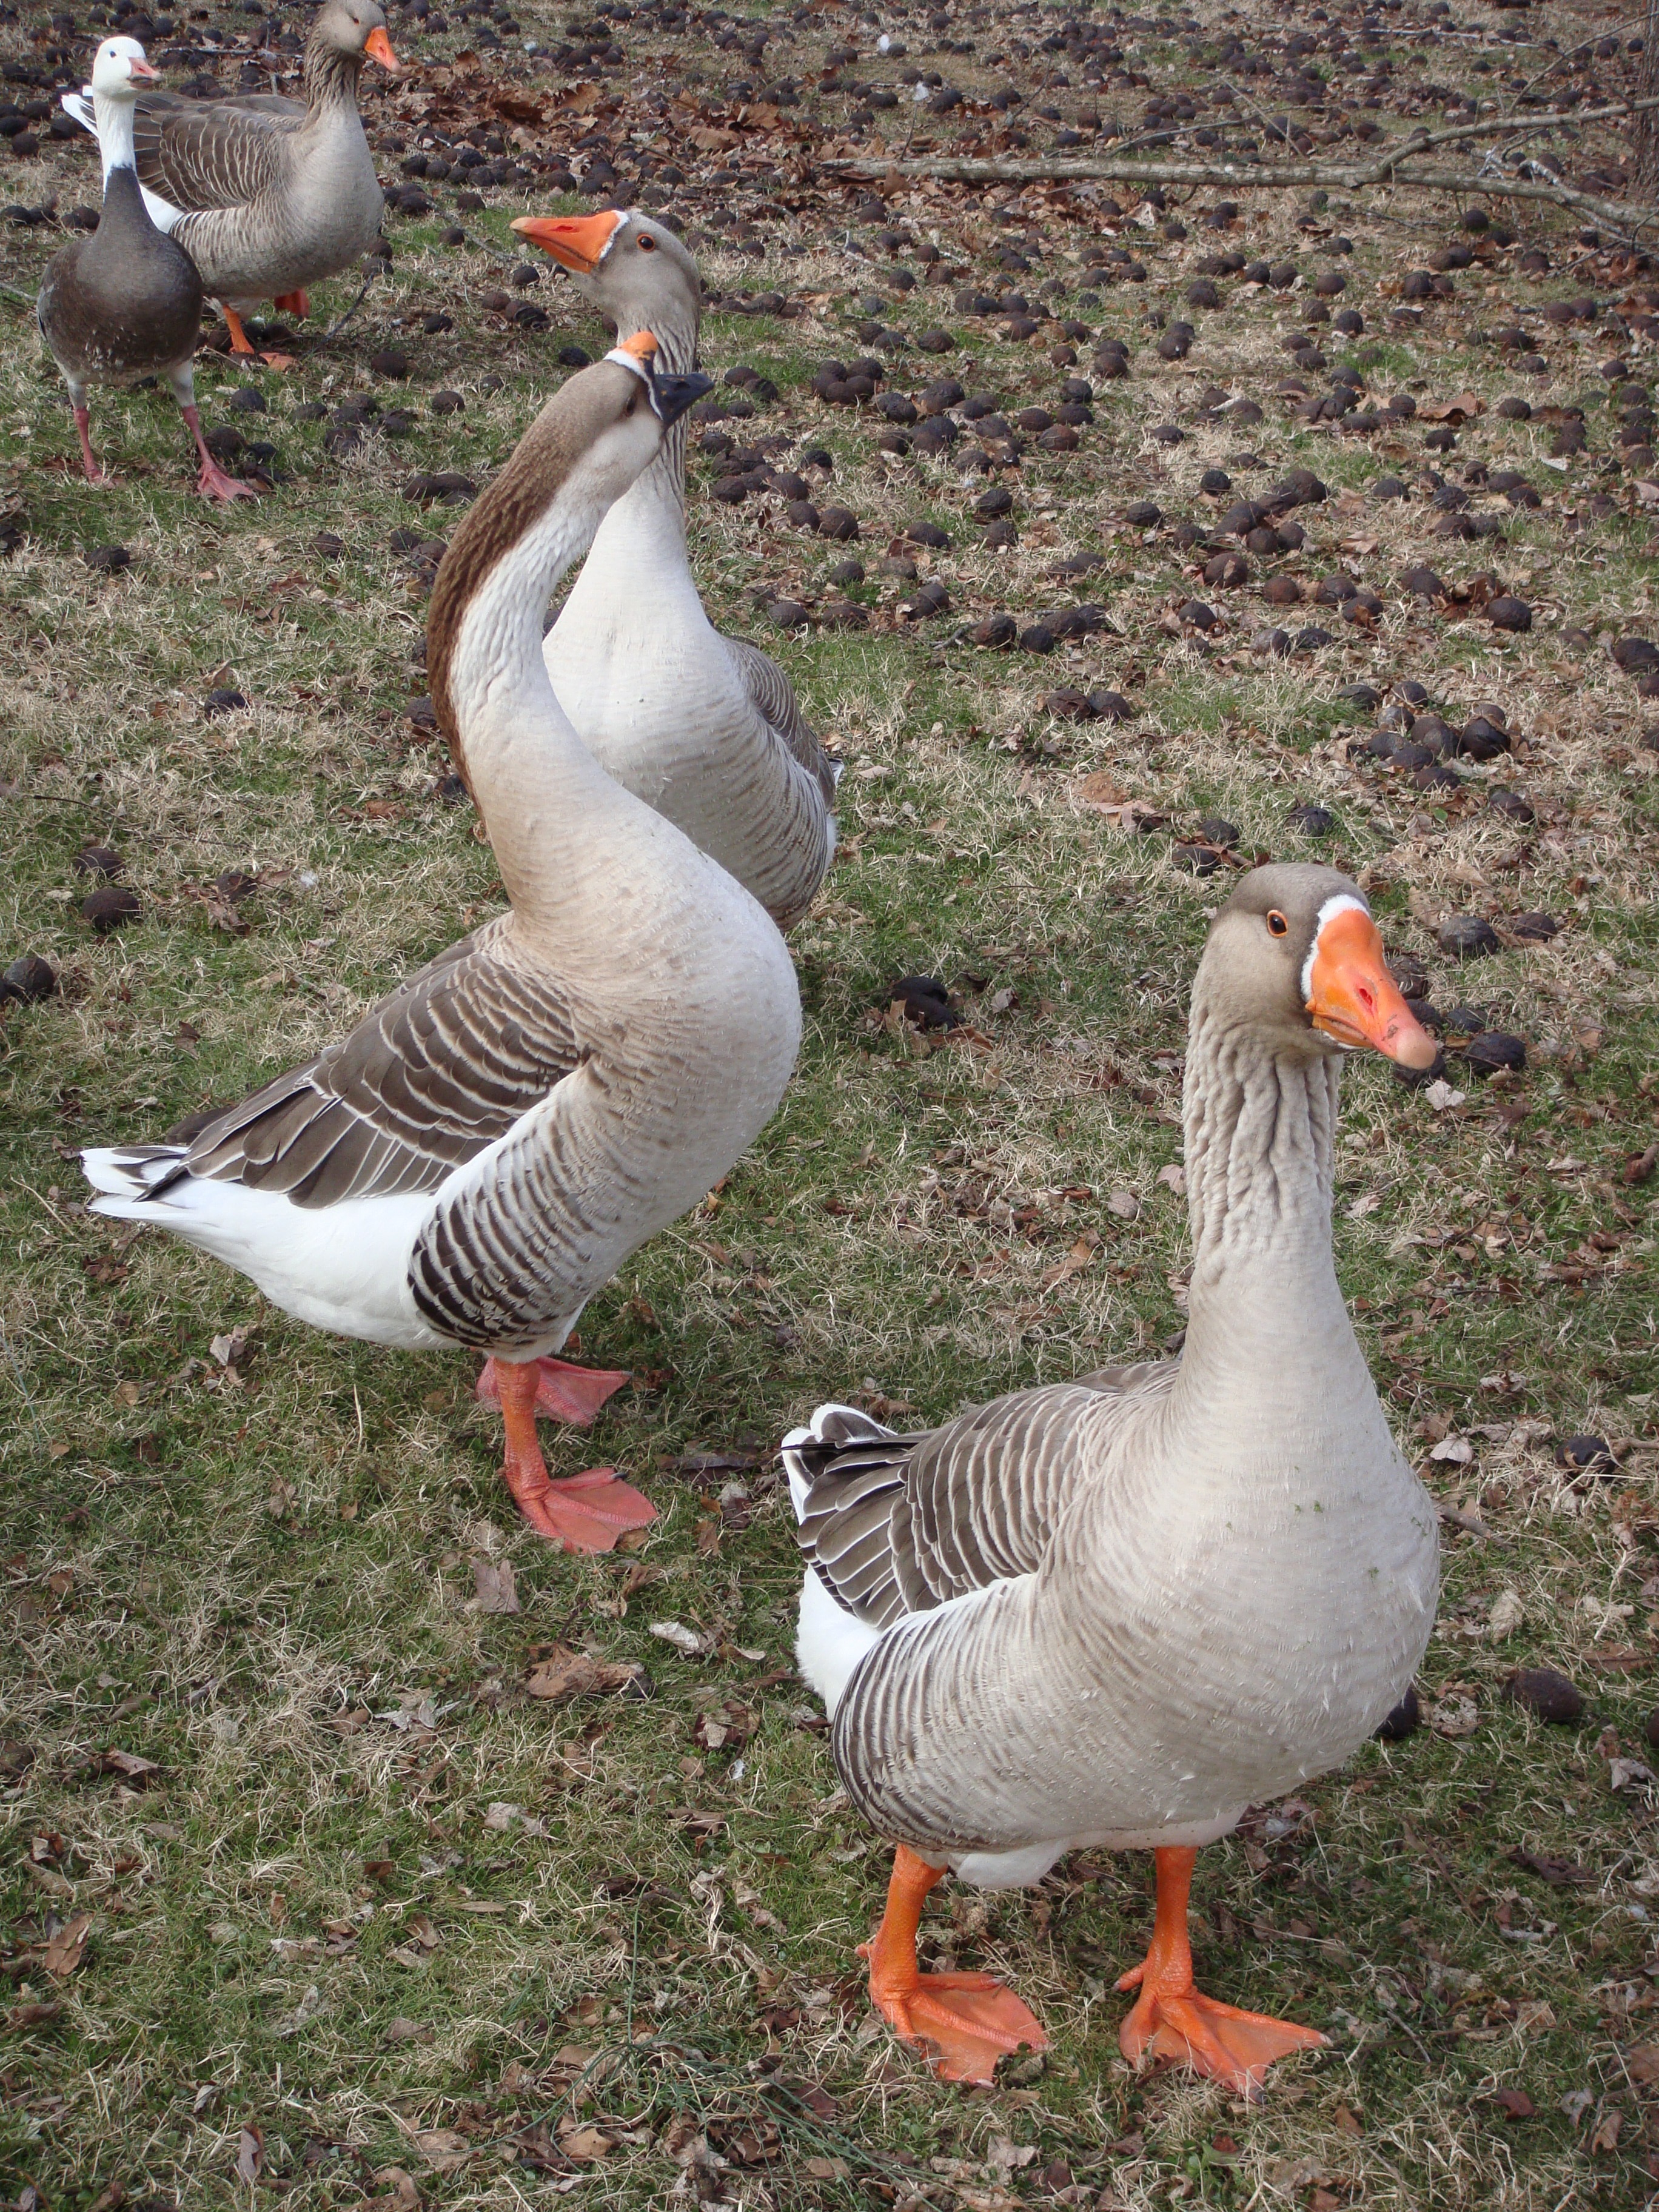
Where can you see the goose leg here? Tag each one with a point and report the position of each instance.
(293, 303)
(239, 337)
(563, 1393)
(213, 483)
(1172, 2020)
(89, 467)
(969, 2021)
(584, 1512)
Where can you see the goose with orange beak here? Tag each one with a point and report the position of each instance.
(1117, 1611)
(704, 727)
(267, 196)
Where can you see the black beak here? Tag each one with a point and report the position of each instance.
(671, 395)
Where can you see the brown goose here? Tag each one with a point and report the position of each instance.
(479, 1156)
(706, 729)
(268, 197)
(1117, 1612)
(127, 302)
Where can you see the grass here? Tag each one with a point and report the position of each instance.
(379, 1923)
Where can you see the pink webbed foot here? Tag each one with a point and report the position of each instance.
(563, 1393)
(214, 483)
(588, 1512)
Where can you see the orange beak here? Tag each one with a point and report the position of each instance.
(642, 345)
(1353, 998)
(379, 47)
(143, 69)
(578, 242)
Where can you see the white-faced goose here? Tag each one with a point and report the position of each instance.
(705, 728)
(488, 1145)
(266, 195)
(127, 302)
(1117, 1611)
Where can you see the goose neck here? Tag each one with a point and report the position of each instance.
(331, 76)
(1260, 1129)
(546, 802)
(115, 122)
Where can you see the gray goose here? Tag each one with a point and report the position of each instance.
(489, 1144)
(266, 195)
(1117, 1611)
(127, 302)
(704, 727)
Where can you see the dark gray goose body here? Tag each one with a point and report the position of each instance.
(125, 303)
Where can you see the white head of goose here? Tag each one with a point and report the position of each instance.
(483, 1150)
(705, 728)
(267, 196)
(127, 302)
(1117, 1611)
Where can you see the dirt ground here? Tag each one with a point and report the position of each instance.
(311, 1891)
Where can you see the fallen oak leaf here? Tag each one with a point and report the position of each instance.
(585, 2144)
(577, 1674)
(63, 1951)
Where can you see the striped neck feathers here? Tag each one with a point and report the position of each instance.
(331, 74)
(1260, 1128)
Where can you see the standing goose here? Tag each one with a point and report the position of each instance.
(1117, 1611)
(127, 302)
(488, 1144)
(704, 728)
(268, 197)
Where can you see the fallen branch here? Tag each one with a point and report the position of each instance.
(1624, 220)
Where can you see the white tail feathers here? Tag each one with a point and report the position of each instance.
(79, 105)
(124, 1179)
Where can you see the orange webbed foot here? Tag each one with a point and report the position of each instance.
(563, 1393)
(963, 2023)
(588, 1512)
(1231, 2046)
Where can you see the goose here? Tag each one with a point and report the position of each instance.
(268, 197)
(705, 728)
(483, 1151)
(1117, 1611)
(125, 303)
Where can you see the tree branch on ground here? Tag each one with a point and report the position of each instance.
(1624, 220)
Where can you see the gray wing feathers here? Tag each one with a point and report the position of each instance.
(220, 155)
(510, 1249)
(426, 1080)
(773, 697)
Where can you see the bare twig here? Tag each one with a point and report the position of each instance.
(1624, 220)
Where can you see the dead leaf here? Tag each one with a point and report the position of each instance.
(1343, 2119)
(682, 1638)
(1513, 2104)
(575, 1674)
(1099, 789)
(33, 2015)
(127, 1765)
(406, 2031)
(1605, 2138)
(442, 2148)
(402, 2196)
(250, 2153)
(62, 1952)
(497, 1590)
(586, 2144)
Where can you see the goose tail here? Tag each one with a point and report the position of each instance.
(807, 1452)
(130, 1178)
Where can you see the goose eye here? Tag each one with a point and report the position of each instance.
(1277, 925)
(647, 245)
(632, 403)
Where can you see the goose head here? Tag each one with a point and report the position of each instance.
(119, 70)
(1295, 956)
(354, 29)
(634, 271)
